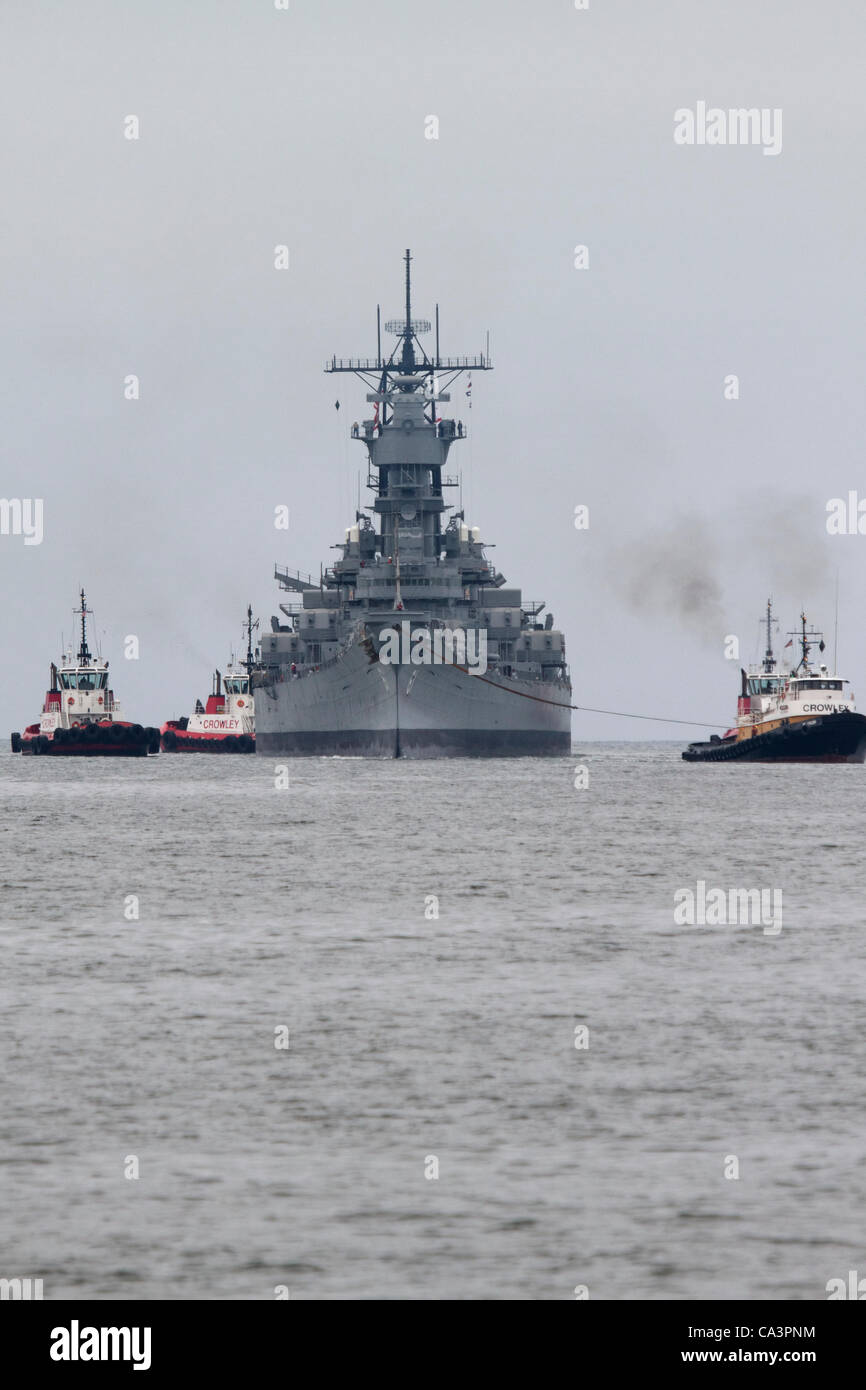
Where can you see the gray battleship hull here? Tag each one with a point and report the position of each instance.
(358, 706)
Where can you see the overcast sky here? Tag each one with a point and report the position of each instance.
(260, 127)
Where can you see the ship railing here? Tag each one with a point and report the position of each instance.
(450, 364)
(481, 363)
(291, 579)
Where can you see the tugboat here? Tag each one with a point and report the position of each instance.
(411, 644)
(800, 716)
(80, 716)
(226, 724)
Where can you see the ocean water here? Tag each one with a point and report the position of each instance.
(415, 1037)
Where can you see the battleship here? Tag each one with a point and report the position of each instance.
(411, 644)
(803, 715)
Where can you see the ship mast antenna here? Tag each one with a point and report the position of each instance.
(805, 645)
(769, 659)
(249, 626)
(408, 360)
(84, 656)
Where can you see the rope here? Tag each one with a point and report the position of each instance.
(657, 718)
(588, 709)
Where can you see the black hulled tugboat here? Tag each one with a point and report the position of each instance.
(803, 715)
(80, 716)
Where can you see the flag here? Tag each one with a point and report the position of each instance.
(469, 391)
(375, 414)
(789, 644)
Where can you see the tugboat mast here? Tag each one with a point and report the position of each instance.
(84, 657)
(804, 642)
(805, 645)
(249, 626)
(769, 658)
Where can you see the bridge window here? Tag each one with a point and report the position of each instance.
(84, 680)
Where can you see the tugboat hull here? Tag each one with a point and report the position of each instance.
(109, 740)
(831, 738)
(178, 740)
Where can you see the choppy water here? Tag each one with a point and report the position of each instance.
(413, 1037)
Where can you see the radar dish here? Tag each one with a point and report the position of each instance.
(399, 326)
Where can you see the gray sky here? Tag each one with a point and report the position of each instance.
(260, 127)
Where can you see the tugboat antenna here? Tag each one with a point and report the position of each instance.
(769, 659)
(805, 642)
(83, 653)
(250, 625)
(805, 645)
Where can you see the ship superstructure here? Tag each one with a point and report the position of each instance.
(411, 644)
(802, 714)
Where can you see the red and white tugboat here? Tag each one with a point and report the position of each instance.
(80, 716)
(800, 716)
(226, 724)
